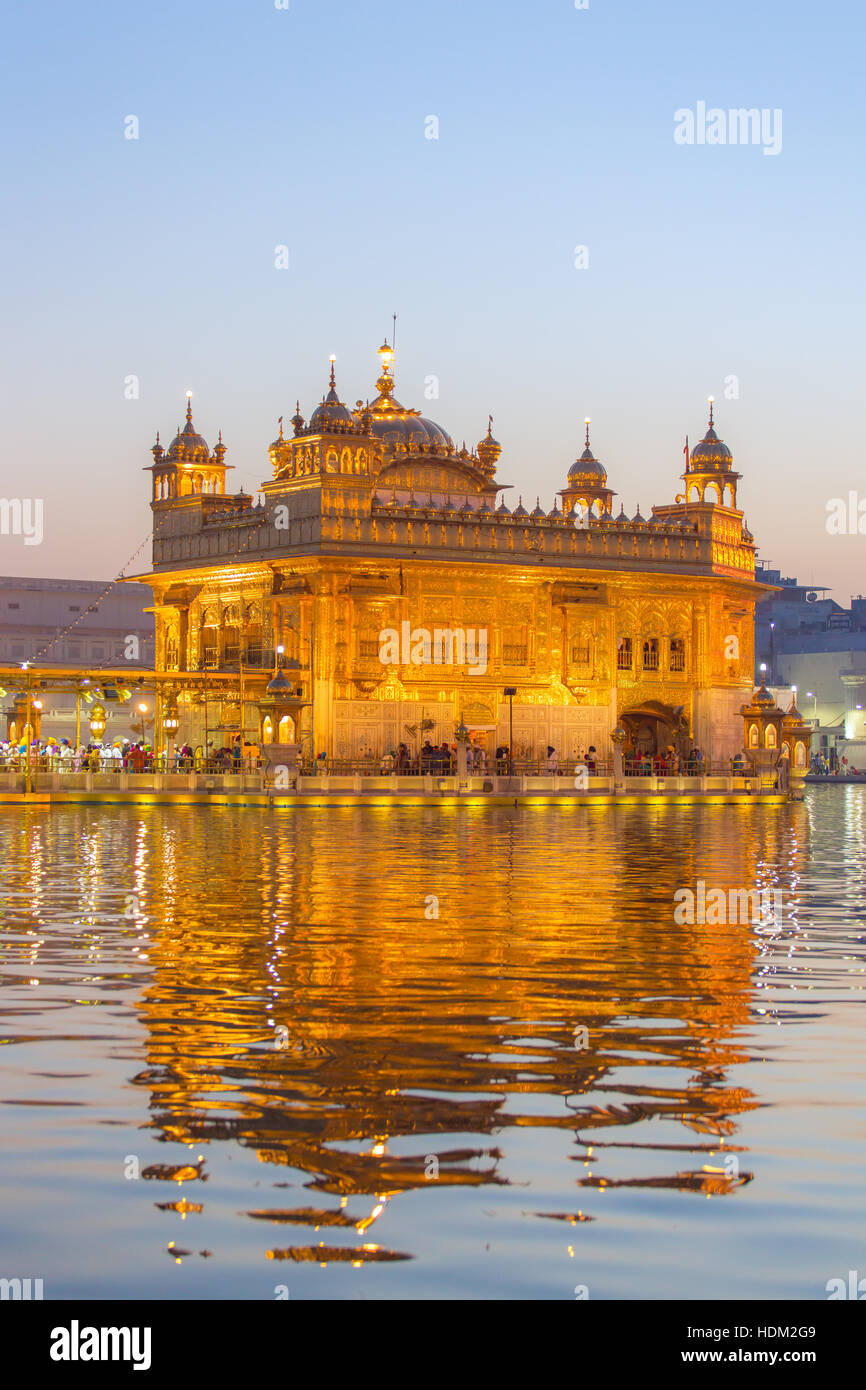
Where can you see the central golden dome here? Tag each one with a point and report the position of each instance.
(395, 423)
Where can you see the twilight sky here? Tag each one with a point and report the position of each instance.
(307, 127)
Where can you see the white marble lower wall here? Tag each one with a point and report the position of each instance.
(718, 723)
(374, 727)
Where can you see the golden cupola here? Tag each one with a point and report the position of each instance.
(332, 414)
(710, 475)
(187, 468)
(188, 446)
(489, 449)
(396, 424)
(587, 484)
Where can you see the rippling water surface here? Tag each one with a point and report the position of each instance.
(339, 1053)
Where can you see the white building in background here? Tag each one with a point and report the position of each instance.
(87, 625)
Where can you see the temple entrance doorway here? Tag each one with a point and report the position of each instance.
(653, 726)
(484, 737)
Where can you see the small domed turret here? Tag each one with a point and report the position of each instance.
(712, 454)
(489, 449)
(587, 468)
(332, 411)
(187, 444)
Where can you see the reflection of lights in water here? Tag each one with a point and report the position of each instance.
(395, 1020)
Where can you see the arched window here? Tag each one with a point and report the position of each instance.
(753, 735)
(286, 729)
(172, 649)
(770, 738)
(267, 729)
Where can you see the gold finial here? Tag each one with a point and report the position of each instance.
(280, 422)
(586, 422)
(386, 380)
(490, 427)
(711, 399)
(333, 379)
(189, 407)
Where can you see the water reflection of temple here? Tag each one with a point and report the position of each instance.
(303, 1005)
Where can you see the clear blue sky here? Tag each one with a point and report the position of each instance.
(306, 127)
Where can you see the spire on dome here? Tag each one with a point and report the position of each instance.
(711, 455)
(187, 443)
(385, 382)
(331, 412)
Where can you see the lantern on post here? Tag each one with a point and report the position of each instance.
(763, 735)
(98, 720)
(279, 711)
(797, 738)
(170, 722)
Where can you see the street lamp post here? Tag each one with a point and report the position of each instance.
(510, 691)
(142, 709)
(772, 653)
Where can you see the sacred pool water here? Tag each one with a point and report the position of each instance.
(433, 1052)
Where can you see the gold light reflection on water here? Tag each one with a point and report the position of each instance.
(296, 998)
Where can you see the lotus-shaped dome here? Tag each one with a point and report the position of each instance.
(587, 468)
(712, 454)
(331, 411)
(409, 430)
(187, 443)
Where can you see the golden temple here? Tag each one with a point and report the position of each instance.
(373, 520)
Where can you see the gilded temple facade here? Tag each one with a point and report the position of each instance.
(373, 521)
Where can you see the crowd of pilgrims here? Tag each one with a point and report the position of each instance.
(441, 760)
(432, 759)
(120, 756)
